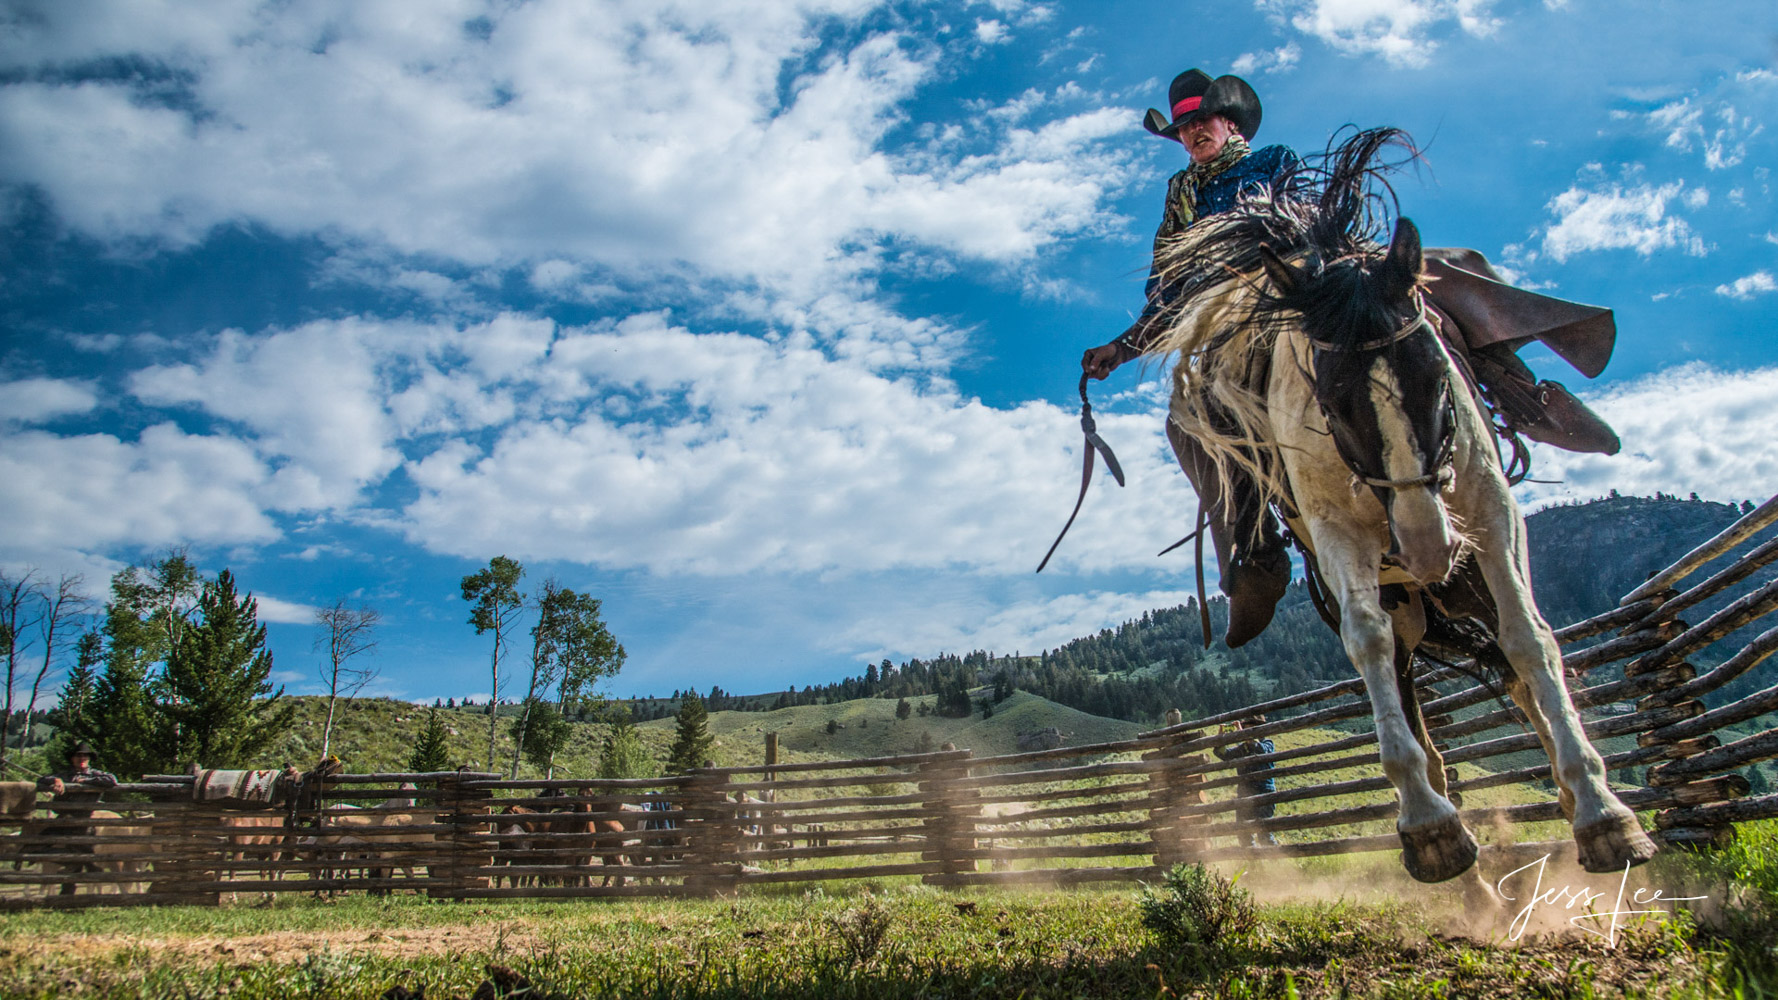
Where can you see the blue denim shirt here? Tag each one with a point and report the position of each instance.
(1251, 748)
(1256, 173)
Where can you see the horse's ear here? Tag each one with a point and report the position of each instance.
(1403, 265)
(1282, 274)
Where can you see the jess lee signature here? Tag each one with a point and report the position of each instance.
(1569, 897)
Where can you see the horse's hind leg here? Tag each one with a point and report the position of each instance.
(1606, 832)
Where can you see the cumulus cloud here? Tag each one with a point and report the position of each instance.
(1402, 32)
(97, 492)
(1023, 626)
(1686, 429)
(645, 140)
(1742, 289)
(282, 612)
(307, 396)
(724, 454)
(632, 444)
(1279, 60)
(34, 400)
(1715, 122)
(1618, 217)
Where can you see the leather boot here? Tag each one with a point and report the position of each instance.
(1253, 567)
(1255, 583)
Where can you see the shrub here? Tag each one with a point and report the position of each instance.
(860, 931)
(1196, 906)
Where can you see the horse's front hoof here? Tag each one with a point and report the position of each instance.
(1438, 851)
(1613, 844)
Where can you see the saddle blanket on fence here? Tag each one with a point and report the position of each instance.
(236, 786)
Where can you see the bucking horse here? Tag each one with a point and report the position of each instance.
(1310, 361)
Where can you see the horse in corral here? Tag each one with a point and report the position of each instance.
(1310, 361)
(603, 838)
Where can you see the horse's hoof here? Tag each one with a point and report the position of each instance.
(1438, 851)
(1613, 843)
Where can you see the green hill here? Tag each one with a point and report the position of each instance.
(377, 734)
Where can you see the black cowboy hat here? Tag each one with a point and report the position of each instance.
(82, 749)
(1193, 94)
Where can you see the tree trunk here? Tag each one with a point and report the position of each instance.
(327, 730)
(518, 738)
(494, 700)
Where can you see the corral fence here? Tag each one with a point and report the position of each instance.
(1108, 811)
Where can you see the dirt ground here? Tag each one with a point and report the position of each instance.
(292, 946)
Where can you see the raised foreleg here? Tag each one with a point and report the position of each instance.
(1435, 844)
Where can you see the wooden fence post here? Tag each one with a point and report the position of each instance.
(1169, 793)
(950, 826)
(466, 811)
(711, 833)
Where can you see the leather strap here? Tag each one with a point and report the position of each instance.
(1094, 444)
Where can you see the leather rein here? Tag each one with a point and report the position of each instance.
(1094, 445)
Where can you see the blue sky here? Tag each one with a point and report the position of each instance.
(760, 319)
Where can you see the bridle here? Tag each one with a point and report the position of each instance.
(1442, 474)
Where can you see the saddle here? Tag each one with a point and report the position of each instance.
(1495, 320)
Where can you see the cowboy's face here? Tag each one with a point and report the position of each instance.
(1205, 135)
(82, 761)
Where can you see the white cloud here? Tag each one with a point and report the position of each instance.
(1690, 428)
(991, 32)
(97, 492)
(309, 397)
(631, 445)
(1757, 283)
(1027, 626)
(1712, 122)
(1279, 60)
(1400, 31)
(34, 400)
(724, 454)
(648, 140)
(282, 612)
(1616, 217)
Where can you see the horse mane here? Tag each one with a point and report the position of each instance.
(1329, 216)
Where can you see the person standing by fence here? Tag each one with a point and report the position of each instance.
(1246, 810)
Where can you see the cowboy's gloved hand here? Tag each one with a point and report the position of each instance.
(1098, 362)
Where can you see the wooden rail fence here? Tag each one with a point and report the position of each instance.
(1109, 811)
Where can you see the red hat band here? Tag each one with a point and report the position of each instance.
(1187, 106)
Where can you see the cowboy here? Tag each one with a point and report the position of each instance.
(80, 782)
(79, 774)
(1215, 119)
(1246, 810)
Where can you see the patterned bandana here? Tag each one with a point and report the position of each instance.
(1198, 173)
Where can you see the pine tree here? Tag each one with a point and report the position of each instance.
(622, 755)
(217, 680)
(903, 709)
(431, 753)
(541, 732)
(692, 740)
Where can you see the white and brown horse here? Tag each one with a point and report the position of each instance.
(1310, 362)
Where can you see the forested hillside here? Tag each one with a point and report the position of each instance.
(1584, 557)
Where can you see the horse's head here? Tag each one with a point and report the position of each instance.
(1382, 382)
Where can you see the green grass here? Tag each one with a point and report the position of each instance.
(1327, 927)
(377, 734)
(895, 942)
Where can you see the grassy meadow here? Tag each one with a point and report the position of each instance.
(1358, 929)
